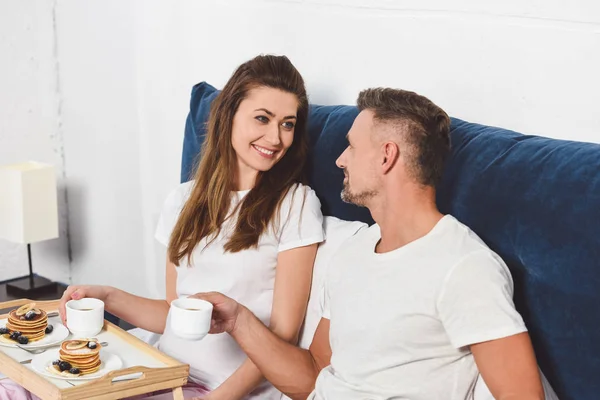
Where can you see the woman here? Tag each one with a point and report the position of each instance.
(246, 226)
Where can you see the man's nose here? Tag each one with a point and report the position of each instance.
(340, 161)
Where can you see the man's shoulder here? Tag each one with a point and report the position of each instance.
(463, 245)
(459, 237)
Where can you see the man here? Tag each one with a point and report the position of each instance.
(415, 305)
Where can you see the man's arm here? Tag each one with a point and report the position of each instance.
(292, 287)
(290, 369)
(509, 368)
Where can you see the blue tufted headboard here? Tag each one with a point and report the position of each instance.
(533, 200)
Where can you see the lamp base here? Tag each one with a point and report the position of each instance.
(30, 287)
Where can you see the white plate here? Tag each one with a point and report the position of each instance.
(41, 362)
(59, 334)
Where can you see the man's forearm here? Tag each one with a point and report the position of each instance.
(290, 369)
(245, 379)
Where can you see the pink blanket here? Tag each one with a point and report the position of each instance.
(10, 390)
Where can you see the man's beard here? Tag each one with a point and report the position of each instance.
(359, 199)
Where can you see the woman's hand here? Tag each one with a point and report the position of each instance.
(77, 292)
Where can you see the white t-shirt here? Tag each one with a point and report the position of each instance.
(402, 321)
(247, 276)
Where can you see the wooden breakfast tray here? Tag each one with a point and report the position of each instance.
(155, 370)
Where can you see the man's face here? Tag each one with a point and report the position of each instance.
(359, 161)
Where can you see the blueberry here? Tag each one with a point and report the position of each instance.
(64, 366)
(92, 345)
(30, 315)
(49, 329)
(55, 362)
(23, 339)
(15, 335)
(4, 331)
(74, 371)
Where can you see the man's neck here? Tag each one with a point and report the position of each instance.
(404, 217)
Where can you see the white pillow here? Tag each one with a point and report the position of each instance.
(337, 231)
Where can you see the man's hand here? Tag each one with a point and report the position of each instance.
(225, 311)
(290, 369)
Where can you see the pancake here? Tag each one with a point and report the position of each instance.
(33, 338)
(30, 321)
(25, 328)
(78, 354)
(79, 348)
(80, 361)
(80, 357)
(90, 371)
(39, 321)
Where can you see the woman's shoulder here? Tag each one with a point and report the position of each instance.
(178, 196)
(300, 220)
(301, 195)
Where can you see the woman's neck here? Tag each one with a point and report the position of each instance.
(245, 178)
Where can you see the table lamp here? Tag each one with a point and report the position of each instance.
(28, 214)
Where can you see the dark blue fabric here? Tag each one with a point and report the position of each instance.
(328, 127)
(533, 200)
(195, 127)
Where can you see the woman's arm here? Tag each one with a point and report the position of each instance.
(292, 288)
(148, 314)
(142, 312)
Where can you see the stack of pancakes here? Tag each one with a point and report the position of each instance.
(80, 356)
(34, 328)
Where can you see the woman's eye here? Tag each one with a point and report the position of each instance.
(262, 118)
(288, 125)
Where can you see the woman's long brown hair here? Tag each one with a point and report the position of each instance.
(208, 205)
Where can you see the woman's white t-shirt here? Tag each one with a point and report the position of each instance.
(247, 276)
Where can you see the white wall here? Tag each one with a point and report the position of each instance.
(97, 51)
(30, 122)
(126, 70)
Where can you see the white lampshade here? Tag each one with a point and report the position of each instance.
(28, 202)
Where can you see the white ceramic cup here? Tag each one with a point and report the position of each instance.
(190, 318)
(85, 317)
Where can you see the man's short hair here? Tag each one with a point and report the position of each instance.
(424, 129)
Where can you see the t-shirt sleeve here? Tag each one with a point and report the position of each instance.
(170, 212)
(476, 301)
(301, 219)
(325, 299)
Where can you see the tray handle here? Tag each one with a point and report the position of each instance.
(143, 371)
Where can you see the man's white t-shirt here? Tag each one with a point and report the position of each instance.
(247, 276)
(401, 322)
